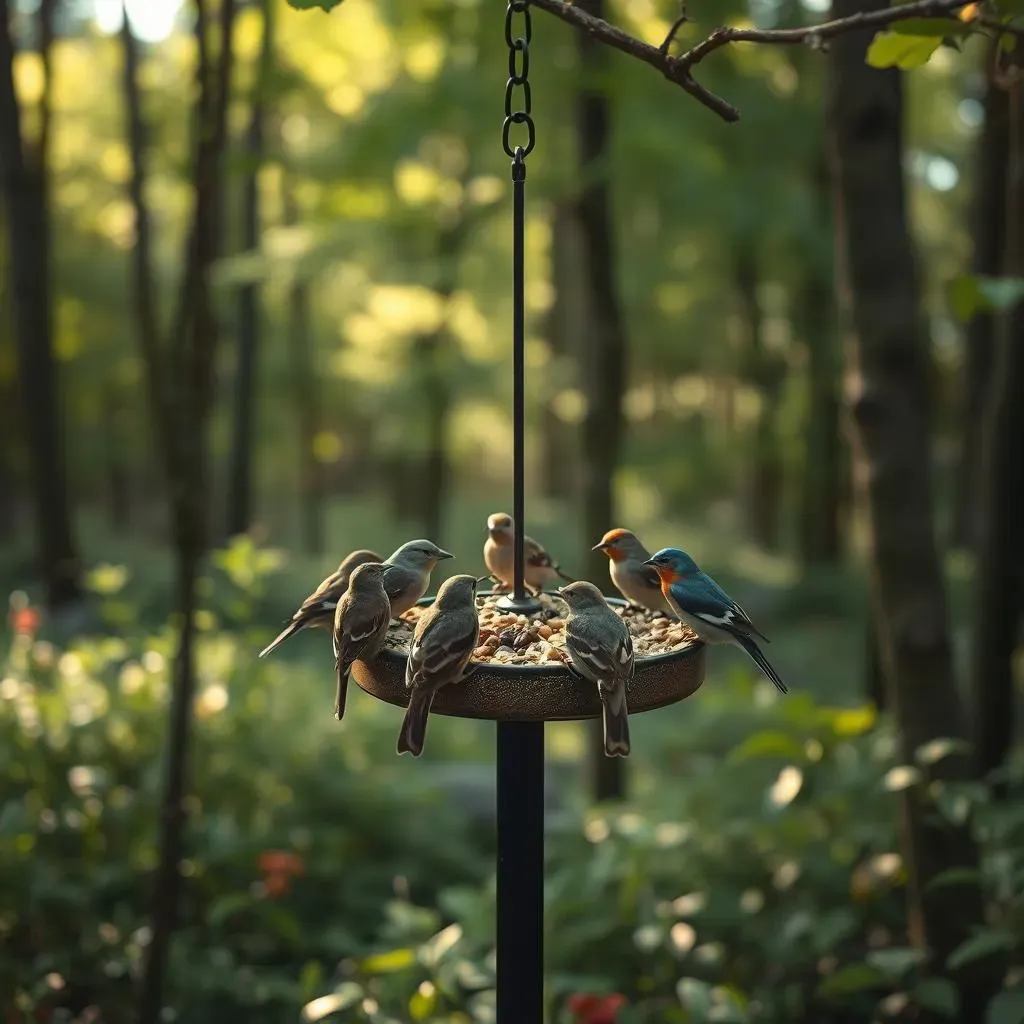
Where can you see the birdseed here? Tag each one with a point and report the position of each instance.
(539, 639)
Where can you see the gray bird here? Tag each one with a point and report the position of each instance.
(601, 651)
(499, 556)
(445, 638)
(409, 572)
(317, 611)
(360, 624)
(638, 583)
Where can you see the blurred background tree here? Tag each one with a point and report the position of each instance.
(254, 299)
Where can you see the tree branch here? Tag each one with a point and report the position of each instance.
(679, 70)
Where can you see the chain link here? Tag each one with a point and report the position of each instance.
(518, 74)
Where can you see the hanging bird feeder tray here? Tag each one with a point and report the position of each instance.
(538, 693)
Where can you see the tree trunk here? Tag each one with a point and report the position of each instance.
(999, 573)
(888, 371)
(988, 228)
(430, 358)
(23, 177)
(766, 372)
(305, 389)
(240, 475)
(180, 376)
(603, 360)
(115, 436)
(820, 534)
(557, 453)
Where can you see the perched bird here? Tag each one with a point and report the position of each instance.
(409, 572)
(707, 609)
(499, 556)
(601, 650)
(360, 624)
(638, 583)
(445, 637)
(318, 609)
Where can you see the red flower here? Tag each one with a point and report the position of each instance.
(278, 867)
(25, 621)
(592, 1009)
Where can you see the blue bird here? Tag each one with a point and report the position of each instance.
(707, 609)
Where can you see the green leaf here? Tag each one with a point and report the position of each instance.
(388, 963)
(935, 750)
(226, 906)
(931, 27)
(955, 876)
(309, 5)
(346, 995)
(767, 744)
(1005, 1008)
(695, 995)
(892, 50)
(1002, 293)
(939, 995)
(964, 296)
(895, 961)
(851, 979)
(983, 944)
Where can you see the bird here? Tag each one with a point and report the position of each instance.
(600, 650)
(444, 640)
(707, 609)
(361, 622)
(318, 609)
(499, 556)
(638, 583)
(408, 576)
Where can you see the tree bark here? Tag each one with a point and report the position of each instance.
(888, 371)
(558, 459)
(305, 389)
(179, 376)
(25, 190)
(999, 572)
(766, 371)
(240, 475)
(603, 361)
(988, 228)
(820, 535)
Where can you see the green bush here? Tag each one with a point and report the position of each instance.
(755, 874)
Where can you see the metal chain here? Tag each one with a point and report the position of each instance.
(518, 75)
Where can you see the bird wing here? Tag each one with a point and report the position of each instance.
(324, 598)
(439, 652)
(704, 599)
(395, 580)
(536, 555)
(603, 662)
(358, 625)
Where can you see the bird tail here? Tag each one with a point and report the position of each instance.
(341, 692)
(414, 725)
(563, 575)
(750, 646)
(616, 727)
(289, 631)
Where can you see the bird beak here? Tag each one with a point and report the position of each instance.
(443, 554)
(600, 547)
(484, 579)
(652, 563)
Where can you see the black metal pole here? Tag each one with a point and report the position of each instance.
(520, 910)
(518, 375)
(520, 988)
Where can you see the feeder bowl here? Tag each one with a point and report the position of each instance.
(537, 693)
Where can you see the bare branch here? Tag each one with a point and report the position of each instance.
(674, 29)
(679, 69)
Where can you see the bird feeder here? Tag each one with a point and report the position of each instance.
(521, 698)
